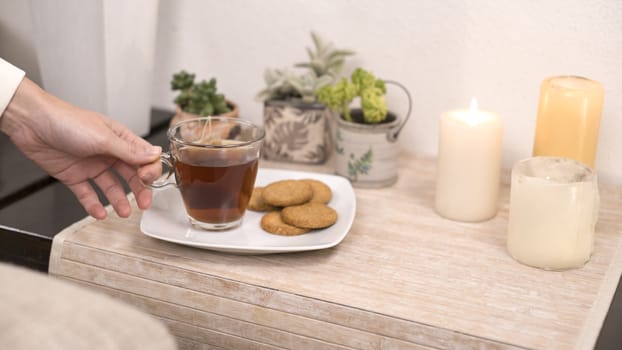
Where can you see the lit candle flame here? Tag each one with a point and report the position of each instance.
(474, 106)
(473, 118)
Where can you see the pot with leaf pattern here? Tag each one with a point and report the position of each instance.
(297, 131)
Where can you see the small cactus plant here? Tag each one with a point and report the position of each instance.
(198, 98)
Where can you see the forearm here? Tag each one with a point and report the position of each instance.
(25, 107)
(22, 102)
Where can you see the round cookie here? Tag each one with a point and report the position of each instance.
(256, 203)
(321, 192)
(310, 215)
(287, 192)
(273, 223)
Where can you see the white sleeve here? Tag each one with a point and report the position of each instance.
(10, 77)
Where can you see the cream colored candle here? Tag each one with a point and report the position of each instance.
(568, 122)
(553, 210)
(469, 164)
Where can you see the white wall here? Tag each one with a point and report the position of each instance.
(16, 37)
(445, 52)
(95, 54)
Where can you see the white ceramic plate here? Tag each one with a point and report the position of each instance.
(166, 220)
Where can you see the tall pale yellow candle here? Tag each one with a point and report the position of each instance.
(469, 164)
(568, 122)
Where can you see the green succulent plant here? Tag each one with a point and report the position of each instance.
(200, 98)
(323, 68)
(326, 60)
(362, 84)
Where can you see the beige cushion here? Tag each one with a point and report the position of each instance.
(38, 311)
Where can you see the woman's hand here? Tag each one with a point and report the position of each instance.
(81, 148)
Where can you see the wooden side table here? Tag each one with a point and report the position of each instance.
(403, 278)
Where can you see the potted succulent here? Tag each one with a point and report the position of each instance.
(297, 126)
(366, 147)
(199, 99)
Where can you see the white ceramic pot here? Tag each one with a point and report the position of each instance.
(367, 154)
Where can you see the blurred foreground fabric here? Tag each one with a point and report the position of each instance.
(40, 312)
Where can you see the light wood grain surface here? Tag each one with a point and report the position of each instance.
(403, 278)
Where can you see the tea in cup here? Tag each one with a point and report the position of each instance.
(215, 162)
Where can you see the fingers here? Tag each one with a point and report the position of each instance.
(142, 194)
(130, 148)
(135, 153)
(113, 190)
(110, 185)
(148, 173)
(88, 198)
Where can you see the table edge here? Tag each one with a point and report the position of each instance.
(593, 325)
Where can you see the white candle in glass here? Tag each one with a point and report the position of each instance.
(553, 211)
(469, 164)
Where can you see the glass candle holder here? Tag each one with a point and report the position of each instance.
(568, 121)
(553, 211)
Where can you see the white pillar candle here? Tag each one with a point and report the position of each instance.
(553, 210)
(469, 164)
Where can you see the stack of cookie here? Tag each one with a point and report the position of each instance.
(293, 207)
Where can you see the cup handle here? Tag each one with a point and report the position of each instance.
(393, 134)
(167, 171)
